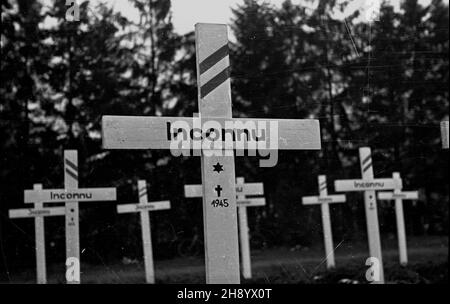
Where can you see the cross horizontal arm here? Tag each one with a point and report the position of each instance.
(251, 202)
(329, 199)
(27, 213)
(154, 206)
(143, 132)
(404, 195)
(367, 185)
(70, 195)
(246, 189)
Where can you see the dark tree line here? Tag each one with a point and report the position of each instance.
(381, 84)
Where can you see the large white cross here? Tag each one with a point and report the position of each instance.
(71, 195)
(324, 200)
(369, 185)
(242, 191)
(399, 196)
(444, 133)
(38, 212)
(215, 118)
(144, 207)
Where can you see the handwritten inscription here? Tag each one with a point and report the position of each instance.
(368, 185)
(38, 212)
(145, 207)
(325, 200)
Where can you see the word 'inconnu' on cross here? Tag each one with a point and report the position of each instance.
(324, 200)
(213, 126)
(399, 196)
(369, 185)
(38, 212)
(245, 197)
(71, 195)
(144, 207)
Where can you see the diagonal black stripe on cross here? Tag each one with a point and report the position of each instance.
(213, 59)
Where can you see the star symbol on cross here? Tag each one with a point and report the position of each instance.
(218, 168)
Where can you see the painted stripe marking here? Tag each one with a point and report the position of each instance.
(366, 159)
(367, 167)
(71, 164)
(213, 59)
(215, 82)
(74, 175)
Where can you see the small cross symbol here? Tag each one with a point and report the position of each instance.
(218, 190)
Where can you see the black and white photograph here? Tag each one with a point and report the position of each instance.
(247, 144)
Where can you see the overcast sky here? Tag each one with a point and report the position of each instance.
(186, 13)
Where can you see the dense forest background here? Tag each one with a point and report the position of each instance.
(382, 84)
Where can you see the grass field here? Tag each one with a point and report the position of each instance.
(428, 263)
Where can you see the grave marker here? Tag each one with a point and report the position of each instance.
(369, 185)
(144, 207)
(71, 195)
(399, 196)
(444, 132)
(242, 191)
(217, 160)
(38, 212)
(324, 200)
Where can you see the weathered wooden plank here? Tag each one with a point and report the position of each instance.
(371, 184)
(402, 195)
(143, 132)
(70, 195)
(220, 222)
(370, 204)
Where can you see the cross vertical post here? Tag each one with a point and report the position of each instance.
(146, 234)
(214, 93)
(326, 223)
(243, 232)
(40, 242)
(72, 212)
(444, 134)
(400, 225)
(370, 204)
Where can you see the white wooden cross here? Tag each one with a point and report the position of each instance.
(369, 185)
(399, 196)
(324, 200)
(144, 207)
(71, 195)
(217, 154)
(444, 133)
(242, 191)
(38, 212)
